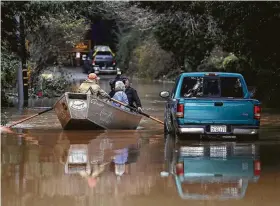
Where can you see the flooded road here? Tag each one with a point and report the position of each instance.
(44, 165)
(38, 169)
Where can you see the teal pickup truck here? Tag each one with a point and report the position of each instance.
(211, 104)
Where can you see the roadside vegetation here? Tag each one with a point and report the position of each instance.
(155, 40)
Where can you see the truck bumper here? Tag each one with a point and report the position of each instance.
(105, 71)
(108, 70)
(232, 130)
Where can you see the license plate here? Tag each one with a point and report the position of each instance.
(218, 129)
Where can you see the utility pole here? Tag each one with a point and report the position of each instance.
(23, 60)
(19, 71)
(22, 78)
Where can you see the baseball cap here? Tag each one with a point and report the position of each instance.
(93, 76)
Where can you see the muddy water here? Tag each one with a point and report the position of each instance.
(43, 165)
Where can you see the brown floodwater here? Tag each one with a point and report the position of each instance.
(43, 165)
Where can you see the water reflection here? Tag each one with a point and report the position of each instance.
(69, 163)
(213, 170)
(90, 157)
(121, 163)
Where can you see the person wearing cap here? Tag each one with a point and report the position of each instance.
(92, 82)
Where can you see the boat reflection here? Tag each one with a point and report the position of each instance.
(213, 170)
(89, 154)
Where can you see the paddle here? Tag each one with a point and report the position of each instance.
(25, 119)
(134, 109)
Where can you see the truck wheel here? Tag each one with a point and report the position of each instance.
(166, 132)
(248, 137)
(254, 137)
(187, 137)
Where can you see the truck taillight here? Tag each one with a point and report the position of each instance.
(180, 110)
(257, 168)
(114, 62)
(180, 169)
(93, 62)
(257, 112)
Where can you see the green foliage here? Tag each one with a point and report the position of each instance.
(4, 118)
(55, 87)
(230, 63)
(246, 29)
(252, 36)
(152, 62)
(150, 35)
(53, 83)
(127, 43)
(189, 36)
(9, 64)
(51, 27)
(31, 11)
(185, 31)
(54, 35)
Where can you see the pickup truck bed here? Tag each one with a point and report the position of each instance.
(211, 104)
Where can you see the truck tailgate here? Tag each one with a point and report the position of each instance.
(231, 167)
(219, 111)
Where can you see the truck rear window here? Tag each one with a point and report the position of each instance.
(104, 53)
(212, 87)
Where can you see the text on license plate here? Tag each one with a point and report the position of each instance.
(220, 128)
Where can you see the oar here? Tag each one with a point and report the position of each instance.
(146, 115)
(25, 119)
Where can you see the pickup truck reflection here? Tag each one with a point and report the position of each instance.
(215, 171)
(77, 159)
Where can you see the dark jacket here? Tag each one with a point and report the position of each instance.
(118, 78)
(112, 93)
(113, 82)
(133, 97)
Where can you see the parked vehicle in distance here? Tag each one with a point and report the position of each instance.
(103, 60)
(102, 48)
(211, 104)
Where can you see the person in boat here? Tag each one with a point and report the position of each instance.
(120, 95)
(113, 82)
(118, 77)
(91, 86)
(112, 86)
(133, 98)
